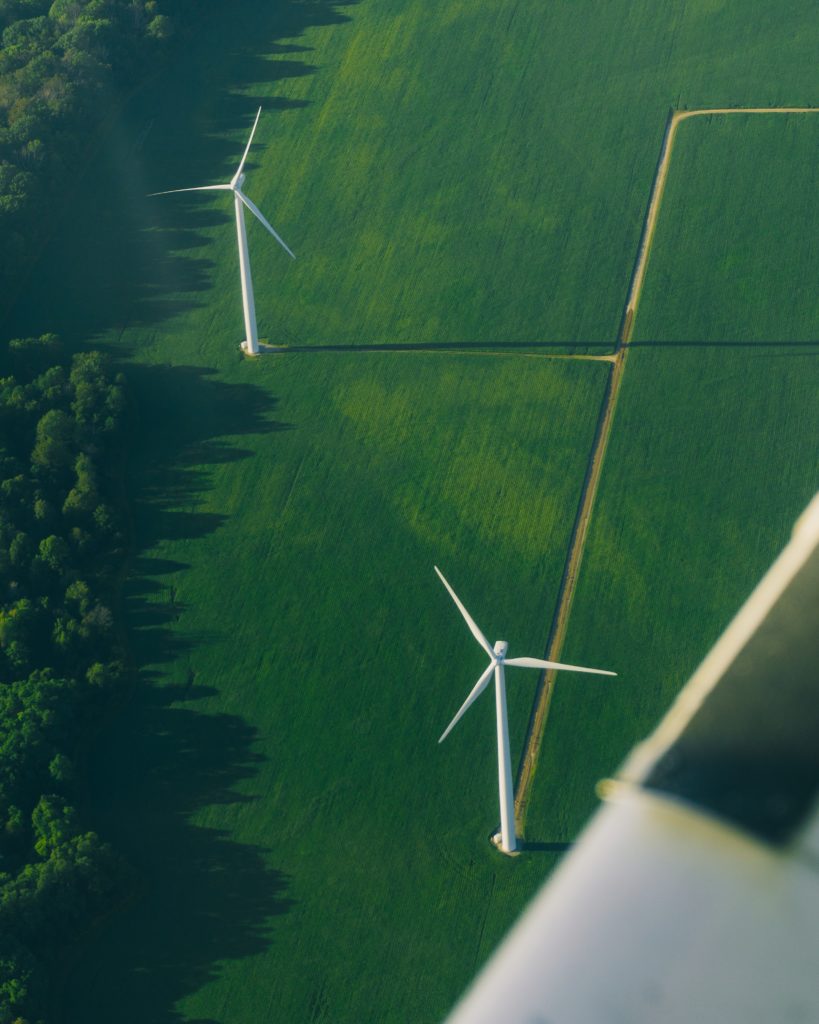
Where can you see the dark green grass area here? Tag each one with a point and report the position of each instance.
(713, 453)
(306, 847)
(461, 173)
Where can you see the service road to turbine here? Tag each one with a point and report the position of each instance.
(540, 711)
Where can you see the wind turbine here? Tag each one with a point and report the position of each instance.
(498, 659)
(251, 343)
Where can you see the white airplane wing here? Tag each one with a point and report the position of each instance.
(693, 895)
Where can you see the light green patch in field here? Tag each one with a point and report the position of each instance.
(713, 452)
(303, 839)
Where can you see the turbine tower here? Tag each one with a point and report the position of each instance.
(498, 659)
(251, 343)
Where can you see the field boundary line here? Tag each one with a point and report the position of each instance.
(560, 620)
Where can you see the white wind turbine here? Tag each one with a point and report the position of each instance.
(498, 659)
(251, 343)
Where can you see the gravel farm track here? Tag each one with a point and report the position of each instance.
(540, 710)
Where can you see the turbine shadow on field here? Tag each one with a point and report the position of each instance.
(761, 345)
(479, 347)
(533, 846)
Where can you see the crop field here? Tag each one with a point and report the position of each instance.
(713, 453)
(280, 776)
(455, 175)
(470, 177)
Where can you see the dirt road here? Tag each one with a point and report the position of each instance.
(537, 723)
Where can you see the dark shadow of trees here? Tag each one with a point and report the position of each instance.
(201, 898)
(117, 259)
(182, 415)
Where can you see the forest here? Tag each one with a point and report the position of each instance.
(61, 542)
(64, 66)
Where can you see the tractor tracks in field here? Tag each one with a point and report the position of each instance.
(557, 635)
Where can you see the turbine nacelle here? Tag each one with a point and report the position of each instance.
(500, 649)
(235, 186)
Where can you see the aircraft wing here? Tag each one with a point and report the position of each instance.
(693, 894)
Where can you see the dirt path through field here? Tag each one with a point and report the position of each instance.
(540, 711)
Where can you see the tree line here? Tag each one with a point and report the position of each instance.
(61, 660)
(62, 65)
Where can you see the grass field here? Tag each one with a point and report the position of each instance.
(455, 175)
(476, 173)
(713, 452)
(278, 782)
(750, 275)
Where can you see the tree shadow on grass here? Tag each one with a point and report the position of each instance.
(118, 259)
(201, 897)
(182, 418)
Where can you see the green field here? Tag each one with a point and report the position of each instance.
(713, 453)
(453, 175)
(278, 782)
(735, 260)
(473, 174)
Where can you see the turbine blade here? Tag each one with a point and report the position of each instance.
(199, 188)
(254, 209)
(473, 628)
(238, 174)
(477, 690)
(540, 663)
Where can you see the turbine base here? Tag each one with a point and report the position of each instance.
(496, 839)
(264, 349)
